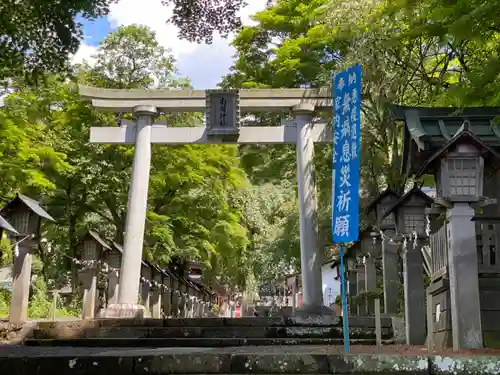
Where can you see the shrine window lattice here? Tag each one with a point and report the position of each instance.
(413, 222)
(90, 250)
(21, 222)
(486, 244)
(114, 260)
(462, 174)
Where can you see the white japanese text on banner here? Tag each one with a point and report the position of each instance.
(346, 92)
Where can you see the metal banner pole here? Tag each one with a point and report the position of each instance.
(345, 317)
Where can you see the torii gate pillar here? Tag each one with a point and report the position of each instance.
(310, 256)
(130, 275)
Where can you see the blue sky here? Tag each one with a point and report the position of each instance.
(203, 64)
(95, 31)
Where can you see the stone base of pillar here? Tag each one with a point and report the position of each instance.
(399, 329)
(314, 320)
(314, 311)
(127, 310)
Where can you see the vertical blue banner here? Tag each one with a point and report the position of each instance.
(346, 93)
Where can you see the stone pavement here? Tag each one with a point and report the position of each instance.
(22, 360)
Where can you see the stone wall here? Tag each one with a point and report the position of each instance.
(489, 286)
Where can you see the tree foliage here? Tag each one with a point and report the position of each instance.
(465, 35)
(199, 20)
(38, 35)
(131, 57)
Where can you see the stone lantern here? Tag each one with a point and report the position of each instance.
(6, 227)
(202, 301)
(195, 271)
(146, 284)
(292, 283)
(169, 299)
(379, 207)
(351, 281)
(91, 249)
(25, 215)
(156, 298)
(114, 260)
(371, 250)
(459, 168)
(410, 211)
(387, 225)
(183, 300)
(192, 290)
(208, 300)
(354, 274)
(369, 244)
(410, 214)
(197, 300)
(180, 293)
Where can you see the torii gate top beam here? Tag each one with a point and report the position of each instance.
(167, 100)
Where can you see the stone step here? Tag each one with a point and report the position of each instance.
(278, 321)
(194, 343)
(387, 360)
(75, 332)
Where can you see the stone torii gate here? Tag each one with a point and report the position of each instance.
(222, 108)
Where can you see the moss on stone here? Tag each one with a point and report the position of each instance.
(471, 365)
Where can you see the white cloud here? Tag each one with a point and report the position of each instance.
(203, 64)
(85, 52)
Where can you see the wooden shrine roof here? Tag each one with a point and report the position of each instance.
(429, 129)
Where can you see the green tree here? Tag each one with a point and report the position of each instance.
(266, 210)
(288, 48)
(130, 57)
(465, 38)
(25, 156)
(38, 35)
(60, 121)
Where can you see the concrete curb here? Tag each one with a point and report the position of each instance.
(203, 362)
